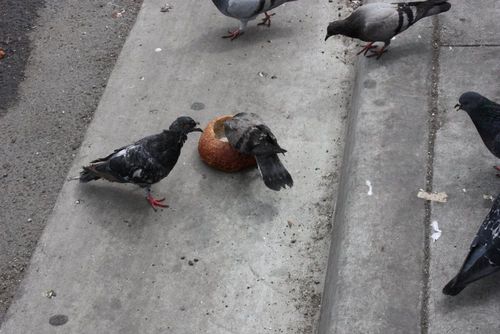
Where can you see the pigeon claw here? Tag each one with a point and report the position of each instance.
(497, 168)
(378, 53)
(155, 203)
(366, 48)
(266, 21)
(233, 34)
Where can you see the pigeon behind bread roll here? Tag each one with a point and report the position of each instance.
(247, 133)
(145, 162)
(247, 10)
(380, 22)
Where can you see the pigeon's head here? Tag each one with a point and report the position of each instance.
(335, 28)
(470, 102)
(184, 124)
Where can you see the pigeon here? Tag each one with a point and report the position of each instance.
(247, 10)
(484, 254)
(249, 135)
(485, 115)
(145, 162)
(380, 22)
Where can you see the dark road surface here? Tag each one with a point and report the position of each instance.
(58, 57)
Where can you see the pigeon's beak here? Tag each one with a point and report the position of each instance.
(197, 129)
(327, 36)
(458, 107)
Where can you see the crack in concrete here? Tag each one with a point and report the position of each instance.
(469, 45)
(433, 111)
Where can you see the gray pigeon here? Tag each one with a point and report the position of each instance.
(249, 135)
(145, 162)
(484, 254)
(380, 22)
(485, 115)
(247, 10)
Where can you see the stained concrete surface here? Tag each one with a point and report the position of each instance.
(374, 283)
(463, 168)
(58, 60)
(473, 23)
(118, 266)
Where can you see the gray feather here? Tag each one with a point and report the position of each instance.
(247, 133)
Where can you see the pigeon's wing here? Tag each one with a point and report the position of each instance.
(134, 164)
(484, 255)
(137, 165)
(379, 21)
(110, 155)
(123, 148)
(247, 134)
(489, 234)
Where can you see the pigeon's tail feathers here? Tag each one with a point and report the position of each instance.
(476, 266)
(453, 287)
(430, 7)
(438, 7)
(87, 175)
(273, 172)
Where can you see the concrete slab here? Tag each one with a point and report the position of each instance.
(118, 267)
(374, 280)
(463, 169)
(471, 22)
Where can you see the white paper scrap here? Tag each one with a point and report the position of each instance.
(436, 234)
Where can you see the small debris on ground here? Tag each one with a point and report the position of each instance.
(117, 14)
(157, 49)
(370, 188)
(441, 197)
(2, 53)
(166, 8)
(290, 223)
(197, 106)
(191, 263)
(436, 234)
(488, 197)
(50, 294)
(58, 320)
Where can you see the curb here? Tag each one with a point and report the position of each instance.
(376, 272)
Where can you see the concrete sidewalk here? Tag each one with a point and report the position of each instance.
(229, 255)
(385, 275)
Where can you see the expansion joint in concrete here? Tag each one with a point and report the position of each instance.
(433, 124)
(469, 45)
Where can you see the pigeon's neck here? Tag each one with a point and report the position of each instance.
(220, 4)
(484, 121)
(347, 28)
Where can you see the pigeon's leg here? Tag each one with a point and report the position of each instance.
(266, 21)
(237, 32)
(378, 52)
(498, 169)
(366, 48)
(233, 34)
(154, 202)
